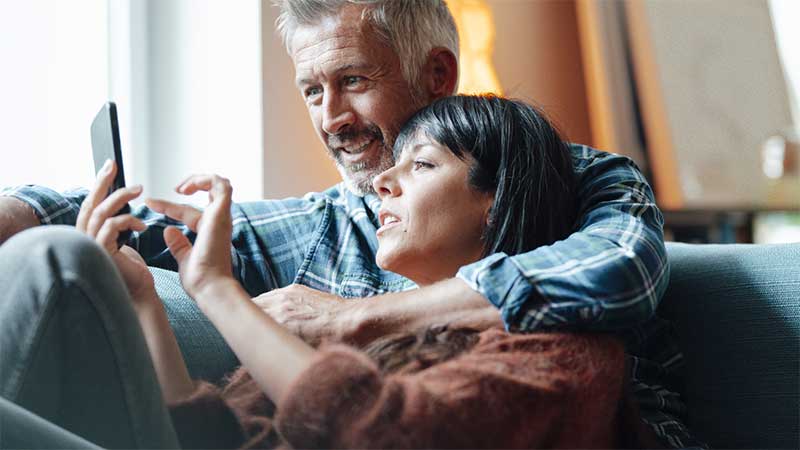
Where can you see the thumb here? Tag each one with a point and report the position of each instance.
(178, 244)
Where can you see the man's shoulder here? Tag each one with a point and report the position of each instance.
(336, 198)
(593, 162)
(333, 194)
(273, 209)
(584, 155)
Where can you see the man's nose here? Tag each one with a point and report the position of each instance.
(337, 115)
(385, 184)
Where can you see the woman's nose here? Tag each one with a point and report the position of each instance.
(385, 183)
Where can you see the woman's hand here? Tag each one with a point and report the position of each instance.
(208, 262)
(97, 219)
(206, 274)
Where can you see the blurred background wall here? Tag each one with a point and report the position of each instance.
(205, 85)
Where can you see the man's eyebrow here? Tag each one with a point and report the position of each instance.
(347, 67)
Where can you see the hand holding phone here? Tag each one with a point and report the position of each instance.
(106, 145)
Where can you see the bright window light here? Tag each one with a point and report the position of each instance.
(54, 80)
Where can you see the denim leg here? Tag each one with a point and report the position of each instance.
(21, 429)
(71, 348)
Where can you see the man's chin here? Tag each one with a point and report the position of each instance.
(359, 184)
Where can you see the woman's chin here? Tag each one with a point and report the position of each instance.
(390, 260)
(384, 260)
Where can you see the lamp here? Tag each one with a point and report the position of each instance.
(476, 29)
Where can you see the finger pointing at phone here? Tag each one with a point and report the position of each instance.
(209, 259)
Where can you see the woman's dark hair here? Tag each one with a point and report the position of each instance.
(518, 155)
(412, 352)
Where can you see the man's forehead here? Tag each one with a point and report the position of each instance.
(348, 23)
(313, 48)
(332, 50)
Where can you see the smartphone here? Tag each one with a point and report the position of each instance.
(105, 146)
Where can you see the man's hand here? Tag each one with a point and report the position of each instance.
(315, 315)
(15, 216)
(308, 313)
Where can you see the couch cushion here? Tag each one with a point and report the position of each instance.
(206, 353)
(736, 309)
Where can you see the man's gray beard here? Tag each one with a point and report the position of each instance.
(363, 184)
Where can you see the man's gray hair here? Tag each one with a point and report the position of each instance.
(412, 27)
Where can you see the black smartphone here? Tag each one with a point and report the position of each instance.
(105, 146)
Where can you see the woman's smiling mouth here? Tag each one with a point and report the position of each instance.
(387, 220)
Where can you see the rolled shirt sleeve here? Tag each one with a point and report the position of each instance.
(609, 274)
(51, 207)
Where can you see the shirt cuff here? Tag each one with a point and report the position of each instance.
(500, 280)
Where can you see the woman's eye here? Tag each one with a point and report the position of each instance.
(422, 165)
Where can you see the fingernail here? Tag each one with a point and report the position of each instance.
(136, 188)
(107, 165)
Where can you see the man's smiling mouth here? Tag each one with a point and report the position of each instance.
(357, 150)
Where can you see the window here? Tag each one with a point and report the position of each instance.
(53, 82)
(185, 74)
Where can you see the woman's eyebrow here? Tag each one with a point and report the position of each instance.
(416, 147)
(411, 150)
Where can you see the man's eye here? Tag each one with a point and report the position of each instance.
(350, 80)
(313, 91)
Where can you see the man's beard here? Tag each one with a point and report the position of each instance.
(358, 177)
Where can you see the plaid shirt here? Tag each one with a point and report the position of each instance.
(607, 276)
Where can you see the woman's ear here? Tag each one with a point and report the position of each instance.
(487, 213)
(440, 74)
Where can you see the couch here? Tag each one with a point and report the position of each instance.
(736, 309)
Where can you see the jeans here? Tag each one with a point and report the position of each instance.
(72, 354)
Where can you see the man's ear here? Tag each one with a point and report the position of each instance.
(440, 73)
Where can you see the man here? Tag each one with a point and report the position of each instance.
(363, 68)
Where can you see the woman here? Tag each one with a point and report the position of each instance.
(505, 177)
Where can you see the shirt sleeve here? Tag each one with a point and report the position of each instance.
(609, 274)
(250, 265)
(343, 401)
(51, 207)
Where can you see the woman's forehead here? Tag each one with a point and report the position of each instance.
(412, 144)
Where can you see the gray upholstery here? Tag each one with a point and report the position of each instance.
(207, 355)
(736, 309)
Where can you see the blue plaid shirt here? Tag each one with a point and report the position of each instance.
(607, 276)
